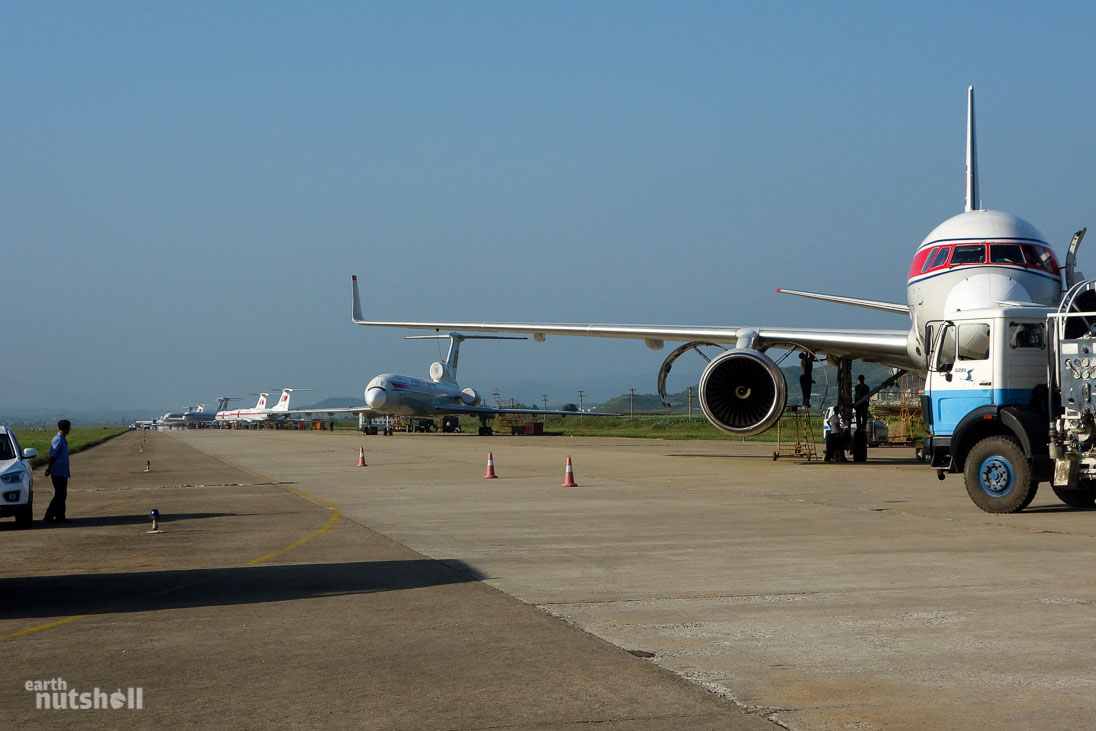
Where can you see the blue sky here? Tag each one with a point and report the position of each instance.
(187, 187)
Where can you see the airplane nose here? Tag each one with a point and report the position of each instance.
(376, 396)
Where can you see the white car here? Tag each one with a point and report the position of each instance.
(16, 479)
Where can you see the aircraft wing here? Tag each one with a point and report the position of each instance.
(886, 347)
(480, 410)
(338, 410)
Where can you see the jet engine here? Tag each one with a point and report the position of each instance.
(742, 392)
(469, 397)
(440, 372)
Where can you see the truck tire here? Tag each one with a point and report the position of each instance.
(1082, 496)
(998, 476)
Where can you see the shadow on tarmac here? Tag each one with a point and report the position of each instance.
(57, 596)
(769, 457)
(107, 520)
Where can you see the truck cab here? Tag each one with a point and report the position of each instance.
(985, 402)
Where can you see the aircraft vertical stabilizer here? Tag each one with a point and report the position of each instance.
(973, 202)
(357, 311)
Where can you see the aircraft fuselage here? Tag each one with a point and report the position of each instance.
(399, 395)
(975, 260)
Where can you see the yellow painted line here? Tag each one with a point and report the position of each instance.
(336, 514)
(43, 627)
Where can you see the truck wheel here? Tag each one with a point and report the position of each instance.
(998, 476)
(1083, 496)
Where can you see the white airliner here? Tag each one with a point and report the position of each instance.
(398, 395)
(977, 258)
(277, 412)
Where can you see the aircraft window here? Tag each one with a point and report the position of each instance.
(6, 449)
(1039, 258)
(940, 257)
(1006, 254)
(974, 341)
(969, 254)
(928, 260)
(947, 349)
(1026, 335)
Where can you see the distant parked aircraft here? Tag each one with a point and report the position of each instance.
(259, 413)
(399, 395)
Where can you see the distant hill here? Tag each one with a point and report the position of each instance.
(335, 402)
(49, 416)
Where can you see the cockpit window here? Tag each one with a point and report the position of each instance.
(1040, 258)
(940, 257)
(928, 260)
(1006, 254)
(969, 254)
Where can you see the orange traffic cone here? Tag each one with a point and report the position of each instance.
(569, 475)
(490, 467)
(361, 457)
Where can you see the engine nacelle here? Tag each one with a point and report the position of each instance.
(469, 397)
(742, 392)
(440, 372)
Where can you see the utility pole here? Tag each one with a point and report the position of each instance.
(580, 401)
(544, 396)
(690, 403)
(631, 403)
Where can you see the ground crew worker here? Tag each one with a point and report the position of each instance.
(860, 398)
(834, 453)
(806, 378)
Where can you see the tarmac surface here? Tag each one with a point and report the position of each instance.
(261, 606)
(756, 594)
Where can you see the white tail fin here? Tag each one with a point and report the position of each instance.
(261, 403)
(973, 201)
(283, 401)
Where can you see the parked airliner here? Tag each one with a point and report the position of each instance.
(977, 258)
(260, 412)
(399, 395)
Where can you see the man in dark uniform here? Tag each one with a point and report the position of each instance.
(806, 379)
(860, 398)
